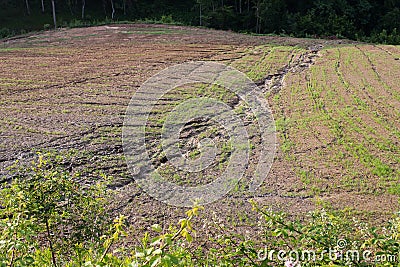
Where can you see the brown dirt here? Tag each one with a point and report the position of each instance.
(68, 90)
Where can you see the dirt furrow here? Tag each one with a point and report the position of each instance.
(274, 82)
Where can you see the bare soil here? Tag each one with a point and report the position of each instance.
(68, 90)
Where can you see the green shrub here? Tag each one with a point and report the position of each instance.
(45, 207)
(385, 37)
(4, 32)
(49, 219)
(167, 19)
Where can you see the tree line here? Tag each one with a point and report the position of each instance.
(370, 20)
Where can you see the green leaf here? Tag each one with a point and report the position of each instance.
(157, 228)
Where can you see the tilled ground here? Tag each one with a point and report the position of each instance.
(68, 91)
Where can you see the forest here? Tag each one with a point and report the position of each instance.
(363, 20)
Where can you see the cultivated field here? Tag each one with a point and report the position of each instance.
(336, 105)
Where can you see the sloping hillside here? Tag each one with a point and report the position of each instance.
(336, 106)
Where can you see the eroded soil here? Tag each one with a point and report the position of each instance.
(334, 102)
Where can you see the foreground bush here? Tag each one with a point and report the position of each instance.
(45, 210)
(49, 219)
